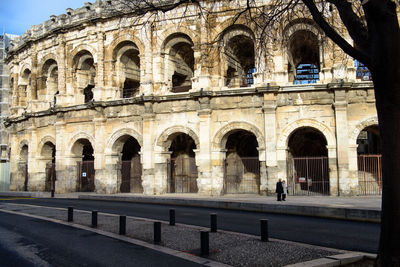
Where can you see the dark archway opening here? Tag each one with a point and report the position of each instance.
(88, 92)
(242, 165)
(49, 154)
(308, 165)
(182, 170)
(131, 167)
(86, 171)
(303, 57)
(23, 166)
(241, 61)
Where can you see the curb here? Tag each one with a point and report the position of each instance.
(363, 215)
(335, 260)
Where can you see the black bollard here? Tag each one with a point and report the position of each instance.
(94, 218)
(157, 232)
(70, 214)
(172, 217)
(122, 225)
(213, 222)
(52, 192)
(264, 230)
(204, 243)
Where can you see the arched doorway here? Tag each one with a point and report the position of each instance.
(304, 62)
(127, 66)
(179, 62)
(86, 172)
(369, 161)
(131, 167)
(242, 165)
(85, 74)
(48, 154)
(308, 166)
(23, 166)
(182, 169)
(239, 54)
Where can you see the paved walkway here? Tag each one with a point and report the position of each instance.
(361, 208)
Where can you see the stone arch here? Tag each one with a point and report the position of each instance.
(44, 140)
(222, 135)
(112, 141)
(78, 49)
(46, 58)
(359, 127)
(223, 26)
(23, 143)
(289, 129)
(76, 137)
(174, 30)
(165, 141)
(122, 38)
(23, 68)
(297, 25)
(307, 53)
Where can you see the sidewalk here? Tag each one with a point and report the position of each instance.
(359, 208)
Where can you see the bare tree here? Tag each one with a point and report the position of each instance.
(374, 29)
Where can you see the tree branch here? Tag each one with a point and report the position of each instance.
(335, 37)
(352, 22)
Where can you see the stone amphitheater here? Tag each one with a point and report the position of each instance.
(186, 101)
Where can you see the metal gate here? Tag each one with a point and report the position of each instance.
(308, 176)
(50, 176)
(370, 174)
(86, 175)
(131, 176)
(182, 175)
(242, 175)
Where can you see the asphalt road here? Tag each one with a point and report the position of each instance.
(341, 234)
(28, 242)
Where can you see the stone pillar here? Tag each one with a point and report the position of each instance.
(353, 168)
(160, 177)
(217, 171)
(340, 106)
(62, 67)
(33, 168)
(334, 185)
(97, 91)
(147, 150)
(63, 174)
(103, 182)
(204, 180)
(269, 110)
(112, 173)
(146, 62)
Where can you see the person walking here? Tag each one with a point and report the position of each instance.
(279, 189)
(284, 186)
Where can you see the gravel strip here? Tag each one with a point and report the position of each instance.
(226, 247)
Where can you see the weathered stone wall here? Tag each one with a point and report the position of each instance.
(53, 71)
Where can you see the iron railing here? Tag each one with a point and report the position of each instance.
(308, 176)
(370, 174)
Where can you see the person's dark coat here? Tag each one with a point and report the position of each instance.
(279, 188)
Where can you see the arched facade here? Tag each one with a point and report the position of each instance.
(188, 99)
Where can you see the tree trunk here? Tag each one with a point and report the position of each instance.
(389, 123)
(386, 76)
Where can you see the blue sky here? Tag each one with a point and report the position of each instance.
(17, 16)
